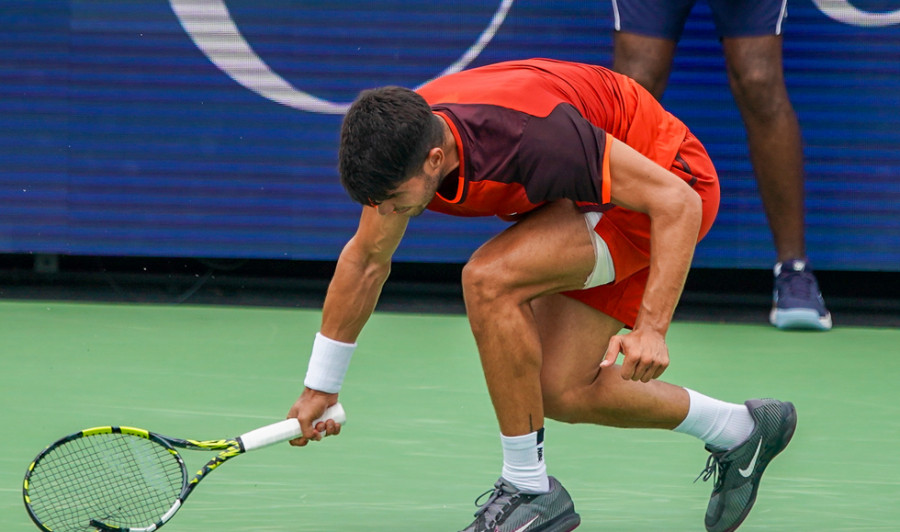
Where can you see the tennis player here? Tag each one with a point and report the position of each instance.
(607, 194)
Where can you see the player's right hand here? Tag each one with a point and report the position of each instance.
(310, 406)
(646, 354)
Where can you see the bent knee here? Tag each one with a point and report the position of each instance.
(485, 281)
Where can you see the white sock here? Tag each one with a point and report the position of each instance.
(719, 424)
(523, 462)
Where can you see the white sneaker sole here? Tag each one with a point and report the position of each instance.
(799, 318)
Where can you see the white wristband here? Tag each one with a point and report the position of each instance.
(328, 364)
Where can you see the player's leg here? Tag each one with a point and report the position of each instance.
(574, 338)
(742, 439)
(645, 38)
(549, 251)
(752, 44)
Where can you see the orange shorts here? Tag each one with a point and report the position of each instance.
(627, 234)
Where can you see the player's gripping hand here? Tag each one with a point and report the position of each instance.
(646, 354)
(310, 406)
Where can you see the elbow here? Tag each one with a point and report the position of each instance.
(693, 209)
(682, 209)
(688, 209)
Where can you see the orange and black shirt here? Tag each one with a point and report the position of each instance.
(534, 131)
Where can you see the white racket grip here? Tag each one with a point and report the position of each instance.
(286, 430)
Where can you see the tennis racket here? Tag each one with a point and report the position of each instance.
(125, 479)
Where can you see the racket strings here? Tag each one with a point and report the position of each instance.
(118, 479)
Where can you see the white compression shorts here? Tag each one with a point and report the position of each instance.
(604, 271)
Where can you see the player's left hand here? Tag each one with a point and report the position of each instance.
(646, 354)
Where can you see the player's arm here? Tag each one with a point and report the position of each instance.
(362, 269)
(675, 212)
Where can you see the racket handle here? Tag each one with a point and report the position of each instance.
(287, 429)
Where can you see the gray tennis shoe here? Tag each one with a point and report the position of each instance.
(738, 471)
(509, 510)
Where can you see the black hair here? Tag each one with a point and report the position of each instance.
(385, 138)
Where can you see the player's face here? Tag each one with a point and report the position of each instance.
(412, 197)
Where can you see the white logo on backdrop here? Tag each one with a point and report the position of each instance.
(212, 29)
(844, 11)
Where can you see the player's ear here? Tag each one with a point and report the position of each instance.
(434, 160)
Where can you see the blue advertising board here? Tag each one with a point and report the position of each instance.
(208, 128)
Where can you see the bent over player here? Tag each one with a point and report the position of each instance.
(608, 194)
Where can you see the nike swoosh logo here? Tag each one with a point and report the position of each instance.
(526, 525)
(749, 470)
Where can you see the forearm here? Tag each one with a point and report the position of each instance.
(675, 213)
(352, 294)
(349, 303)
(673, 236)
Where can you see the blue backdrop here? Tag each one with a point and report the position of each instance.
(208, 128)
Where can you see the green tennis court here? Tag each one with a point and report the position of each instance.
(422, 442)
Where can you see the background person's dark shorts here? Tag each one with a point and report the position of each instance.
(666, 18)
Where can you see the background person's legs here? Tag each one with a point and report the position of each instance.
(647, 60)
(756, 76)
(773, 136)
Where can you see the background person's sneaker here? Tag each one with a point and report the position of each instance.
(509, 510)
(738, 471)
(797, 302)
